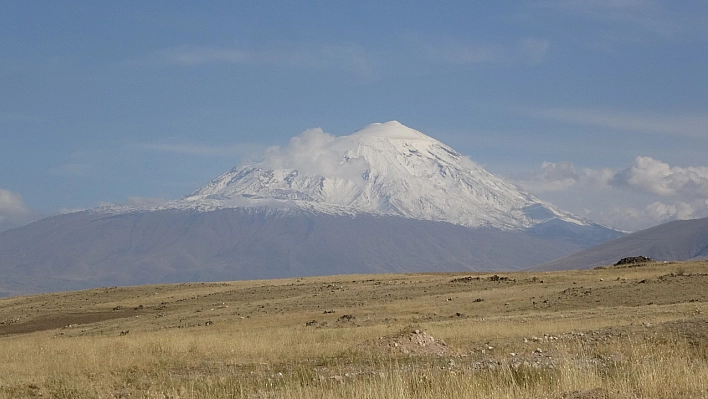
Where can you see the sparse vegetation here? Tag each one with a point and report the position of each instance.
(607, 333)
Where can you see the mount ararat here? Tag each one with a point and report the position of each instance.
(386, 198)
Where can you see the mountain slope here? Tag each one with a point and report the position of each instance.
(384, 199)
(90, 249)
(674, 241)
(383, 169)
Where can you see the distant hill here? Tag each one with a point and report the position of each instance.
(674, 241)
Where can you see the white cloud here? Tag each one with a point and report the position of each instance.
(11, 203)
(346, 57)
(646, 175)
(656, 177)
(630, 199)
(527, 51)
(13, 211)
(663, 212)
(312, 152)
(563, 176)
(633, 218)
(692, 126)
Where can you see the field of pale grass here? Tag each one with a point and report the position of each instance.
(251, 339)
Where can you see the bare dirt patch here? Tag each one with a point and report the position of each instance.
(52, 322)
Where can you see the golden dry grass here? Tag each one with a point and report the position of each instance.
(637, 332)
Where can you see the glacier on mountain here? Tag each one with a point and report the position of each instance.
(383, 169)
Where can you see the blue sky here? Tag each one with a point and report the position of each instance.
(598, 106)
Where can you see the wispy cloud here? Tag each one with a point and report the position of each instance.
(649, 15)
(628, 21)
(451, 51)
(134, 201)
(311, 152)
(190, 56)
(564, 176)
(203, 150)
(683, 125)
(73, 170)
(64, 211)
(13, 211)
(139, 202)
(637, 218)
(347, 57)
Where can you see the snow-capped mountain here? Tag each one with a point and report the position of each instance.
(383, 169)
(386, 198)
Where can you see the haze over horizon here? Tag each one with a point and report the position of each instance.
(598, 107)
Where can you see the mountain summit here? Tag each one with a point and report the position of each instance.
(383, 169)
(384, 199)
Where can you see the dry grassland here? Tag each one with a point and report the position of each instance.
(630, 332)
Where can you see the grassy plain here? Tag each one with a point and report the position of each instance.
(617, 332)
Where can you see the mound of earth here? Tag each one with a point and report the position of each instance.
(633, 260)
(412, 342)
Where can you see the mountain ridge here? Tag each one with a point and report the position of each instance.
(92, 249)
(385, 169)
